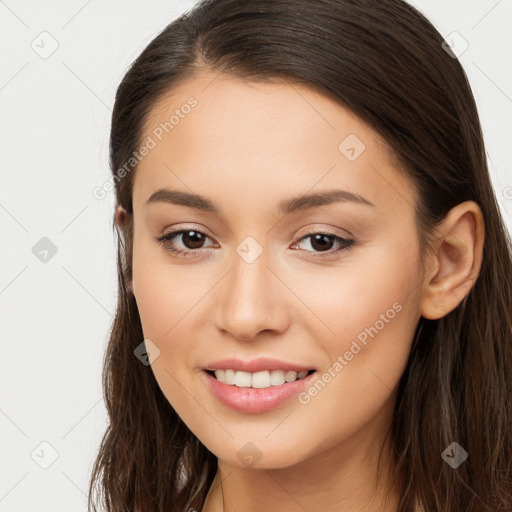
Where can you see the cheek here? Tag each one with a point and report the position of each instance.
(377, 287)
(165, 293)
(165, 300)
(168, 299)
(364, 322)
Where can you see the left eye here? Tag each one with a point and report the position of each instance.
(323, 242)
(192, 242)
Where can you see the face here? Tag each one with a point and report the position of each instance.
(263, 271)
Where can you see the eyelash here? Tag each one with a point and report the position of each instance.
(164, 240)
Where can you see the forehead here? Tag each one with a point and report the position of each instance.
(256, 141)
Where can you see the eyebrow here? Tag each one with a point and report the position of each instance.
(304, 202)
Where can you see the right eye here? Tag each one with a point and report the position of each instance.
(192, 241)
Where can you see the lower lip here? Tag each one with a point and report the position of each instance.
(255, 400)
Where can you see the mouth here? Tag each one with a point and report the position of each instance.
(258, 380)
(256, 392)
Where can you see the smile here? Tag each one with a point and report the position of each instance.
(246, 397)
(259, 380)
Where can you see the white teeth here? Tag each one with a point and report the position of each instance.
(277, 378)
(243, 379)
(229, 377)
(261, 380)
(290, 376)
(264, 379)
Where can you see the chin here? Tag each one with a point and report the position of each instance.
(259, 455)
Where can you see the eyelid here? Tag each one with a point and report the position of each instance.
(324, 231)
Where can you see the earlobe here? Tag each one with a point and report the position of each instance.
(456, 258)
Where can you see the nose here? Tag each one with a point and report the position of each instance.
(251, 300)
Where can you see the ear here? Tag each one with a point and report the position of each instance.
(121, 219)
(129, 286)
(455, 260)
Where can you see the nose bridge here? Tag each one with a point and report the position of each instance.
(248, 302)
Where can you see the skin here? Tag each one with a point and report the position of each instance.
(246, 147)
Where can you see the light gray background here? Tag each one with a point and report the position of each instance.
(54, 127)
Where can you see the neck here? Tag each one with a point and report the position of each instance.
(340, 478)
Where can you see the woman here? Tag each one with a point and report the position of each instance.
(314, 277)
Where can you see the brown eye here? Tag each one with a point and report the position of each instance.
(185, 242)
(321, 242)
(192, 239)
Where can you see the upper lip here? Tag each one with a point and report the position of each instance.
(255, 365)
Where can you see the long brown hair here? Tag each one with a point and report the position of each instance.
(385, 62)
